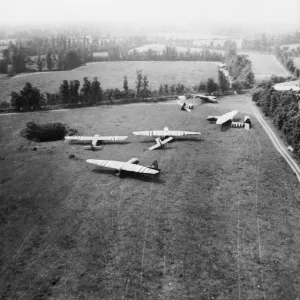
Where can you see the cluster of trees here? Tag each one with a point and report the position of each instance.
(286, 61)
(240, 69)
(283, 108)
(69, 91)
(267, 43)
(54, 54)
(28, 98)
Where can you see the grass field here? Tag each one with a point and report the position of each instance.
(110, 75)
(221, 221)
(265, 65)
(290, 46)
(296, 62)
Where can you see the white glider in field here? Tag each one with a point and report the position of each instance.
(224, 118)
(212, 99)
(93, 140)
(184, 105)
(229, 116)
(165, 133)
(160, 143)
(129, 166)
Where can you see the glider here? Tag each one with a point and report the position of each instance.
(212, 99)
(184, 105)
(160, 143)
(224, 118)
(229, 116)
(95, 139)
(129, 166)
(165, 133)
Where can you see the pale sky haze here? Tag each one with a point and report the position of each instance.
(160, 11)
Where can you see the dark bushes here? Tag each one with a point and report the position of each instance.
(46, 132)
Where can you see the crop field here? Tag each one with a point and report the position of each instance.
(290, 46)
(161, 47)
(110, 75)
(220, 222)
(296, 62)
(265, 65)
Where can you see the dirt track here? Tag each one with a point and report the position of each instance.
(221, 221)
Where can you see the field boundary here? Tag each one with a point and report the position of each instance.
(276, 142)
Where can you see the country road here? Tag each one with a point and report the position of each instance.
(276, 142)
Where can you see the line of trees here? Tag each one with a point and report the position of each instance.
(71, 92)
(283, 108)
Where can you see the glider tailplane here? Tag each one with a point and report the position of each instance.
(154, 165)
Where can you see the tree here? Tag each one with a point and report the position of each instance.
(223, 82)
(72, 60)
(29, 97)
(202, 86)
(74, 87)
(39, 63)
(138, 82)
(161, 89)
(166, 89)
(86, 88)
(18, 59)
(145, 83)
(172, 88)
(96, 90)
(64, 90)
(60, 62)
(49, 61)
(211, 86)
(125, 85)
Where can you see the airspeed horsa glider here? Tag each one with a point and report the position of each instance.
(224, 118)
(129, 166)
(184, 105)
(212, 99)
(165, 133)
(94, 139)
(229, 116)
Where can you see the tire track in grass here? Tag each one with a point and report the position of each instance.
(257, 218)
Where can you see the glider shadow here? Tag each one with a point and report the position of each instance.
(133, 175)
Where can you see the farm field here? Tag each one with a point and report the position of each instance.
(207, 42)
(161, 47)
(290, 46)
(220, 222)
(265, 65)
(296, 62)
(110, 75)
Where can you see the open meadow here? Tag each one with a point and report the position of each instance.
(296, 62)
(110, 75)
(265, 65)
(220, 222)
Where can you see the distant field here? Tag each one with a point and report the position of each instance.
(291, 46)
(161, 47)
(100, 54)
(216, 42)
(296, 62)
(265, 65)
(110, 75)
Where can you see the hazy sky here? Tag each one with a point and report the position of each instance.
(162, 11)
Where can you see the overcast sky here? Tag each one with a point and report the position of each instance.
(160, 11)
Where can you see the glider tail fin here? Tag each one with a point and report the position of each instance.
(155, 165)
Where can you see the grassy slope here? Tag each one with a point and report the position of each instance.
(265, 65)
(221, 221)
(111, 74)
